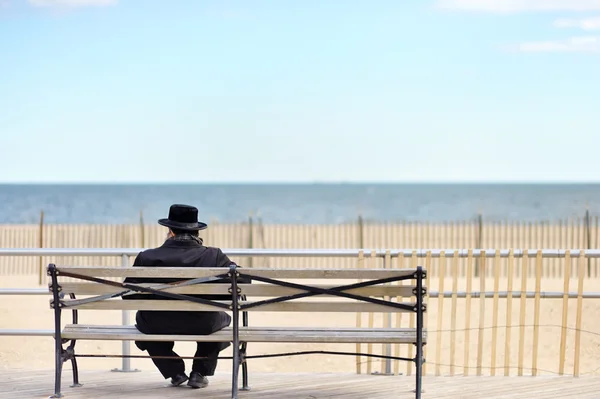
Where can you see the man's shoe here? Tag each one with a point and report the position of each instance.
(197, 380)
(179, 379)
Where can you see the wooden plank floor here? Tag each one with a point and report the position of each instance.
(20, 384)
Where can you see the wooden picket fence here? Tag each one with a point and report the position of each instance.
(518, 328)
(573, 233)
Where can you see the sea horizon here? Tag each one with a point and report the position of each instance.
(283, 183)
(298, 203)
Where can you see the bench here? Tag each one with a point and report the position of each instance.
(247, 290)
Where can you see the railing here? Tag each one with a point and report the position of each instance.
(483, 266)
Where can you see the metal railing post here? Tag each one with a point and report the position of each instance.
(419, 314)
(126, 349)
(235, 309)
(388, 347)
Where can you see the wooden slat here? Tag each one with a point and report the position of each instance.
(440, 312)
(453, 312)
(495, 311)
(468, 311)
(250, 334)
(523, 302)
(509, 288)
(290, 306)
(536, 312)
(482, 275)
(565, 304)
(263, 290)
(152, 272)
(578, 318)
(188, 272)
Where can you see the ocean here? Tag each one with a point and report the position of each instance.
(297, 203)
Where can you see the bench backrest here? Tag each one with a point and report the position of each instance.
(272, 289)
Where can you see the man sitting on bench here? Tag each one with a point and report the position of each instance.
(182, 248)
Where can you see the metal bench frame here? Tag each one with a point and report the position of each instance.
(232, 276)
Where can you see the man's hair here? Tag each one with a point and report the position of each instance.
(178, 232)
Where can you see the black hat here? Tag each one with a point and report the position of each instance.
(183, 217)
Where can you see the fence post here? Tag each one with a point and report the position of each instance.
(142, 232)
(479, 241)
(41, 245)
(126, 363)
(361, 233)
(588, 239)
(250, 238)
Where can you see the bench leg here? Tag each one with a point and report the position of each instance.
(420, 308)
(236, 331)
(58, 363)
(419, 371)
(71, 350)
(69, 354)
(76, 383)
(58, 350)
(245, 386)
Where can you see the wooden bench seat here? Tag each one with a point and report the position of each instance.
(333, 306)
(251, 334)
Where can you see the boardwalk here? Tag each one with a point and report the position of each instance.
(21, 384)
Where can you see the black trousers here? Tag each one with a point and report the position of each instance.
(182, 323)
(171, 367)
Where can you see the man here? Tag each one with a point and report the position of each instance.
(184, 248)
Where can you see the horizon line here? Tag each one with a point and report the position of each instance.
(322, 182)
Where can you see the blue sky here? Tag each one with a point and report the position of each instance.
(299, 91)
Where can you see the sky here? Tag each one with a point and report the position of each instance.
(299, 91)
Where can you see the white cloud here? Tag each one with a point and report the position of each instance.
(520, 5)
(580, 44)
(588, 24)
(72, 3)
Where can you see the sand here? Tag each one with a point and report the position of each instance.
(33, 312)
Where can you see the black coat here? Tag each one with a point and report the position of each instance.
(186, 253)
